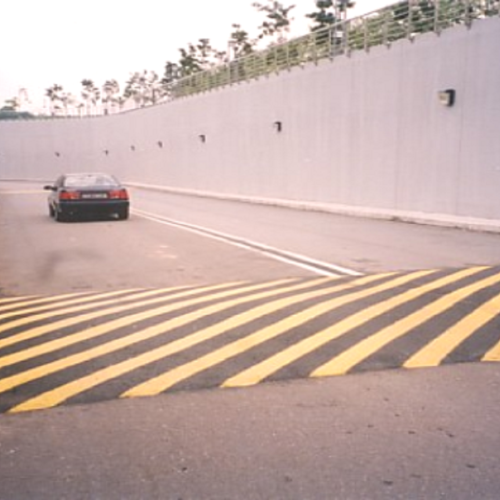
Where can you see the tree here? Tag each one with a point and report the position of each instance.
(240, 43)
(194, 59)
(68, 100)
(11, 104)
(55, 95)
(121, 100)
(329, 12)
(79, 108)
(110, 90)
(90, 94)
(171, 75)
(341, 6)
(208, 56)
(198, 57)
(144, 88)
(277, 22)
(188, 62)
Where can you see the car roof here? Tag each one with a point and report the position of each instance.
(80, 174)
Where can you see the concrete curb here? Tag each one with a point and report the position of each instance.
(443, 220)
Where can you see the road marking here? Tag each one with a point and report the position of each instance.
(10, 300)
(103, 328)
(260, 371)
(164, 381)
(147, 333)
(238, 334)
(31, 333)
(297, 260)
(345, 361)
(433, 353)
(19, 302)
(493, 354)
(54, 303)
(60, 394)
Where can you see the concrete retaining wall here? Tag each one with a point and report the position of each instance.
(363, 131)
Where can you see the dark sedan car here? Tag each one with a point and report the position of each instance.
(87, 194)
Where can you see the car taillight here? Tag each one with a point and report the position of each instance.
(118, 194)
(69, 195)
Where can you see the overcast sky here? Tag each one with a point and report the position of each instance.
(43, 42)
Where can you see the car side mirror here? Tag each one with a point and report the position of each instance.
(49, 188)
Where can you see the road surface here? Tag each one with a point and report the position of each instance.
(195, 300)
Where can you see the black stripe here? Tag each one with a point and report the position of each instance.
(476, 346)
(391, 355)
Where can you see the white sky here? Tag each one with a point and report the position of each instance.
(43, 42)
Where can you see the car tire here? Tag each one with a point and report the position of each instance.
(52, 212)
(123, 213)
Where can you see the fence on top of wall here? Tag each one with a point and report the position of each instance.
(403, 20)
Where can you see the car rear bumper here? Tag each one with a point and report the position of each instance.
(76, 207)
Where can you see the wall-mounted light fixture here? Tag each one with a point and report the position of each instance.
(278, 126)
(203, 138)
(447, 97)
(160, 144)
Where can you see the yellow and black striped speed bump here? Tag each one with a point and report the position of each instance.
(79, 348)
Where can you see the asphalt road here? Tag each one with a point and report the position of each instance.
(39, 256)
(425, 434)
(363, 245)
(377, 433)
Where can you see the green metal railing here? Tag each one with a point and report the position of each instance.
(404, 20)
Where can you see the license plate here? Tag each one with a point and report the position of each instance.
(94, 196)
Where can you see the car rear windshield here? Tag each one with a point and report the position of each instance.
(90, 180)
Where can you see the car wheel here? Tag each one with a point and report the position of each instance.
(52, 213)
(123, 213)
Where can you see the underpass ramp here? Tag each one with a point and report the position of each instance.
(80, 348)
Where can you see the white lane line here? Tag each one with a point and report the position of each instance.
(313, 265)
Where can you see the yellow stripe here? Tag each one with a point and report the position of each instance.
(164, 381)
(434, 352)
(139, 336)
(345, 361)
(95, 331)
(64, 323)
(9, 300)
(58, 312)
(260, 371)
(28, 301)
(60, 394)
(494, 353)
